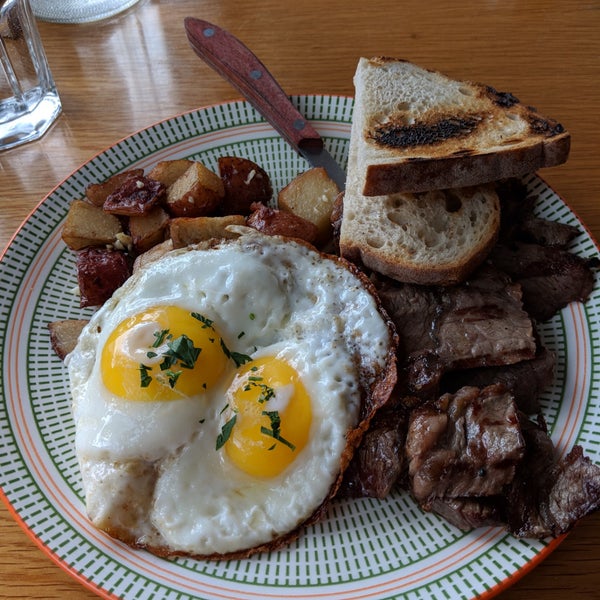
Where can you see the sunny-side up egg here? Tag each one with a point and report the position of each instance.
(218, 395)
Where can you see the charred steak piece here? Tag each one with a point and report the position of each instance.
(526, 380)
(463, 444)
(483, 323)
(549, 495)
(469, 513)
(550, 277)
(520, 223)
(478, 323)
(378, 463)
(414, 309)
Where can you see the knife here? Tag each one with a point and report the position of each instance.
(241, 67)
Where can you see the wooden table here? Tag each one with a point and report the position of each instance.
(121, 75)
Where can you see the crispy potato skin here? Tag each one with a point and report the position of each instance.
(88, 225)
(311, 195)
(197, 193)
(64, 335)
(97, 193)
(245, 182)
(137, 196)
(100, 272)
(149, 229)
(185, 231)
(279, 222)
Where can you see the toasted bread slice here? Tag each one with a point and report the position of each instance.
(422, 131)
(429, 238)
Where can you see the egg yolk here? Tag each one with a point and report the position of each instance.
(163, 353)
(268, 417)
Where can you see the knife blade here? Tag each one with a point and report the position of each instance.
(235, 62)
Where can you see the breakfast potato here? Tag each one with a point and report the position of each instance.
(310, 195)
(64, 335)
(151, 255)
(191, 230)
(197, 193)
(245, 182)
(88, 225)
(272, 221)
(97, 193)
(168, 171)
(136, 196)
(100, 272)
(148, 230)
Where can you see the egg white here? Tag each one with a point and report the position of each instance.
(226, 509)
(267, 297)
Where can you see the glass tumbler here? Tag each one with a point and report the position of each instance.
(29, 102)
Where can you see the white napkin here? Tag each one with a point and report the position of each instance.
(78, 11)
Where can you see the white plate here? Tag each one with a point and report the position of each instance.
(364, 548)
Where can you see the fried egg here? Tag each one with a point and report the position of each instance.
(219, 394)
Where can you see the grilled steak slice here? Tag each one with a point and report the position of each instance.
(519, 222)
(546, 233)
(483, 323)
(468, 513)
(414, 309)
(549, 495)
(478, 323)
(526, 380)
(550, 277)
(463, 444)
(378, 463)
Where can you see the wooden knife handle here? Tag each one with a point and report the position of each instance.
(240, 66)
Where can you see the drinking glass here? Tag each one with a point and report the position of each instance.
(29, 102)
(78, 11)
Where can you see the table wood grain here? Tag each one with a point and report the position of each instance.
(121, 75)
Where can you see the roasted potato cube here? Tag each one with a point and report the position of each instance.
(99, 273)
(64, 335)
(88, 225)
(310, 195)
(168, 171)
(245, 182)
(191, 230)
(151, 255)
(149, 229)
(280, 222)
(97, 193)
(197, 193)
(137, 196)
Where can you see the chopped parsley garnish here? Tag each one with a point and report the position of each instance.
(172, 377)
(275, 431)
(145, 378)
(160, 337)
(183, 350)
(180, 352)
(225, 432)
(238, 358)
(266, 391)
(206, 322)
(252, 316)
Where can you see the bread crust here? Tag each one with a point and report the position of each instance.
(424, 174)
(400, 265)
(421, 131)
